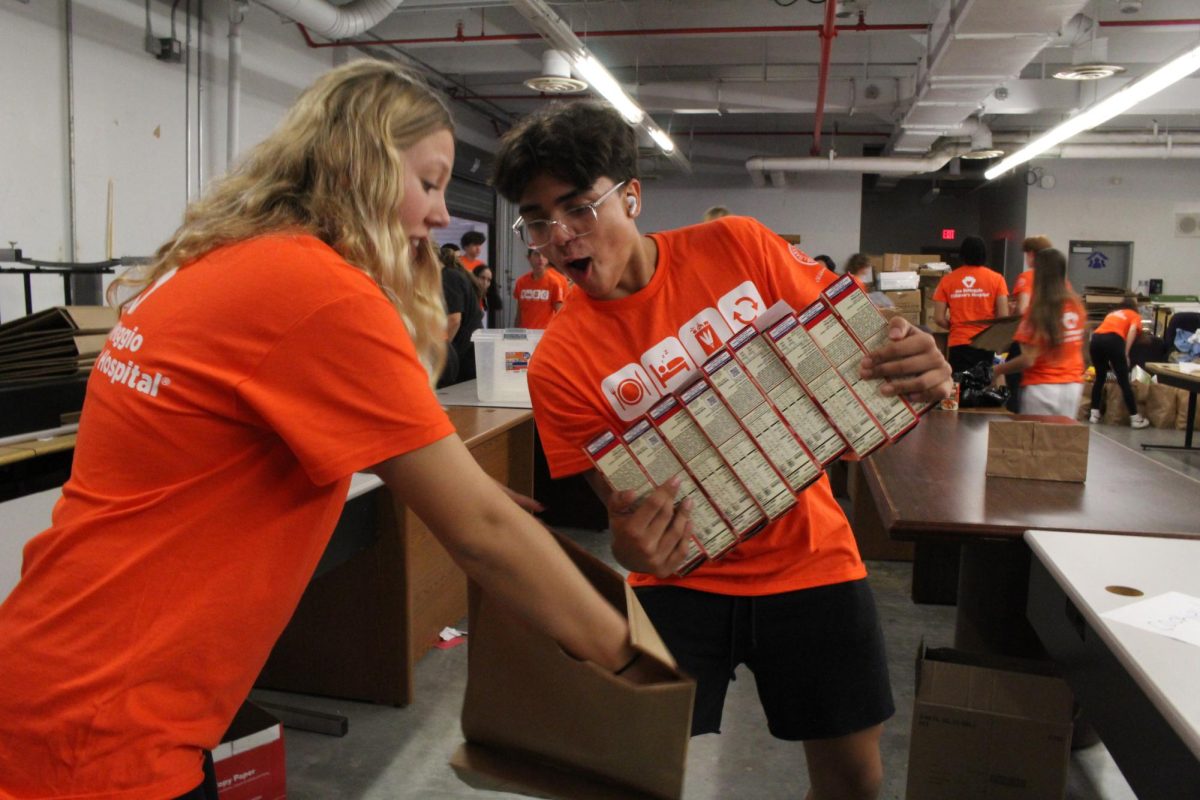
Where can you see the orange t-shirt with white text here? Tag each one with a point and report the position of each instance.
(1062, 364)
(1120, 322)
(603, 363)
(536, 298)
(221, 426)
(970, 293)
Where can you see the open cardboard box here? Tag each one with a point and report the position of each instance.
(539, 722)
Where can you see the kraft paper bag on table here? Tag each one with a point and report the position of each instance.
(539, 722)
(1045, 451)
(1161, 405)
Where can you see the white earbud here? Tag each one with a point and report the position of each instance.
(631, 201)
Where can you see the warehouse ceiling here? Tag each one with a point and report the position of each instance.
(731, 79)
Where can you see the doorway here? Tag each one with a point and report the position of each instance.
(1106, 264)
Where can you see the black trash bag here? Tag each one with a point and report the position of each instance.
(975, 388)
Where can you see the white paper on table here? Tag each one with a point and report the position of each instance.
(1172, 614)
(1188, 367)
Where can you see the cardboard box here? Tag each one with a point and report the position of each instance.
(988, 729)
(1042, 450)
(897, 281)
(249, 762)
(905, 300)
(538, 721)
(905, 262)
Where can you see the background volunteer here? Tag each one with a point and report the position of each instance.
(970, 294)
(539, 293)
(1109, 348)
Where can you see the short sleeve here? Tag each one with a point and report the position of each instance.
(942, 293)
(1024, 333)
(559, 291)
(791, 274)
(1001, 286)
(345, 390)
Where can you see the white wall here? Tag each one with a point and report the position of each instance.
(1124, 201)
(129, 124)
(824, 209)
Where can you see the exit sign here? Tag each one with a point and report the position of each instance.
(948, 234)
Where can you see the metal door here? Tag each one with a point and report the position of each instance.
(1099, 264)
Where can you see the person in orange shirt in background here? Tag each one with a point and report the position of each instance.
(283, 339)
(472, 245)
(1022, 290)
(1051, 338)
(858, 267)
(539, 293)
(969, 295)
(1110, 346)
(792, 602)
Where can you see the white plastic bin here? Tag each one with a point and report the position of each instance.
(502, 363)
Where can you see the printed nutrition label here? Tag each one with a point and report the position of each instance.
(765, 365)
(617, 465)
(843, 350)
(844, 408)
(765, 425)
(739, 450)
(709, 469)
(649, 448)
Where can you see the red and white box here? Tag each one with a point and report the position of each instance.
(758, 413)
(708, 469)
(862, 322)
(249, 761)
(623, 472)
(660, 463)
(793, 402)
(738, 448)
(791, 339)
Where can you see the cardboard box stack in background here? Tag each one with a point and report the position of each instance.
(905, 262)
(988, 728)
(929, 280)
(907, 303)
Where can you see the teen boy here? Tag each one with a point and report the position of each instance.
(792, 603)
(539, 293)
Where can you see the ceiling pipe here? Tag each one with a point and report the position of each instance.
(632, 33)
(889, 165)
(1125, 151)
(1108, 138)
(828, 32)
(1148, 23)
(334, 22)
(233, 94)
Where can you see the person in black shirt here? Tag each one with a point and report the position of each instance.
(463, 317)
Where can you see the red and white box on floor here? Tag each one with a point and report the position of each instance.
(249, 762)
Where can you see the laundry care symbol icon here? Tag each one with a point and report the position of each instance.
(969, 281)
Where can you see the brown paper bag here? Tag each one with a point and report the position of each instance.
(1047, 451)
(1085, 404)
(1115, 412)
(1141, 395)
(1181, 409)
(538, 721)
(1161, 405)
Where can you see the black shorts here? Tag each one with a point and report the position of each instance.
(817, 655)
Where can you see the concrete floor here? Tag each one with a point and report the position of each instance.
(402, 752)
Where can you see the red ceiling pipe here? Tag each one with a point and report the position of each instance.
(828, 31)
(1147, 23)
(460, 38)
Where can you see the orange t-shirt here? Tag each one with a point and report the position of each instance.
(1120, 322)
(603, 363)
(536, 299)
(1023, 284)
(470, 264)
(221, 426)
(1062, 364)
(970, 293)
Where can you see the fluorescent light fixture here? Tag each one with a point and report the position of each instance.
(603, 82)
(660, 138)
(1116, 103)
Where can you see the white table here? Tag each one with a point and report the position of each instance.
(1140, 690)
(25, 517)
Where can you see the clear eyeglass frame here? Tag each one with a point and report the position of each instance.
(580, 221)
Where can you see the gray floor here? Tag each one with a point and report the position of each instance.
(402, 753)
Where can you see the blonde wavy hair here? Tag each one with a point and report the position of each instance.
(334, 168)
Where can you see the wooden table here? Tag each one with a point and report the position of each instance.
(1173, 375)
(367, 618)
(931, 487)
(1139, 689)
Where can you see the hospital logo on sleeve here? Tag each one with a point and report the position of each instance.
(630, 392)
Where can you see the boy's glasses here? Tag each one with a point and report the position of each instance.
(577, 221)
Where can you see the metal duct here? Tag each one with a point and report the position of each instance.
(334, 22)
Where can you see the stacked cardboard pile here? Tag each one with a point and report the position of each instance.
(774, 406)
(1100, 300)
(55, 343)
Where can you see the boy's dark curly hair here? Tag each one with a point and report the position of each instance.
(575, 143)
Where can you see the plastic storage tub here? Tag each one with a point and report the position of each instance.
(502, 363)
